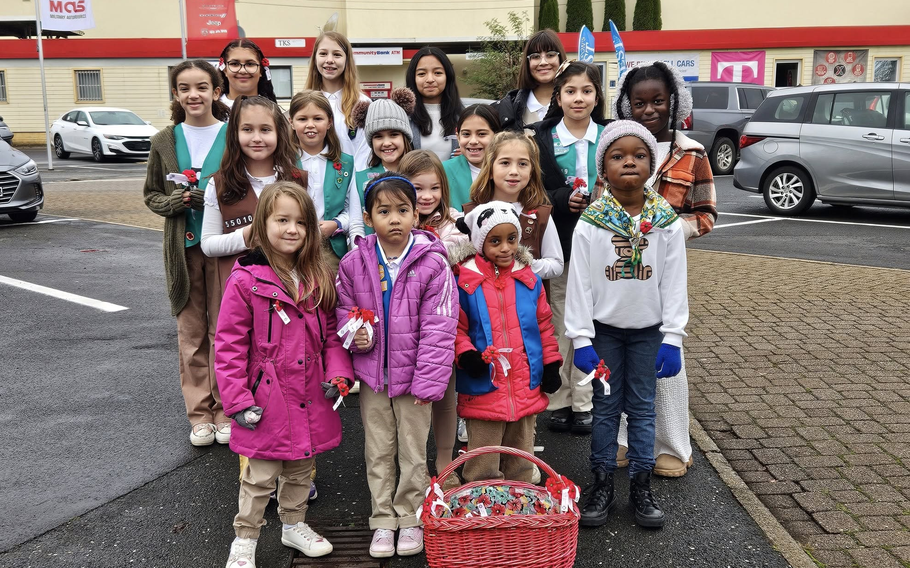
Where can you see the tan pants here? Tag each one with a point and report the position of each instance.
(196, 340)
(258, 482)
(518, 435)
(569, 394)
(395, 427)
(445, 426)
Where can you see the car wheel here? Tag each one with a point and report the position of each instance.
(97, 152)
(59, 150)
(23, 217)
(723, 156)
(788, 191)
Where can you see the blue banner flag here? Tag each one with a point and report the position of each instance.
(585, 45)
(619, 48)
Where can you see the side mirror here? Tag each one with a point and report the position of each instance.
(147, 122)
(81, 123)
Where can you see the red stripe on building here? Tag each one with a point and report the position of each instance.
(122, 48)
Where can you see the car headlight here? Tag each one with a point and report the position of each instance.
(115, 137)
(27, 169)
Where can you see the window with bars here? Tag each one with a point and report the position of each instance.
(88, 85)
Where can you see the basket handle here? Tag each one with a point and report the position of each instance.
(494, 450)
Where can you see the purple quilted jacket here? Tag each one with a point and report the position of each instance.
(423, 316)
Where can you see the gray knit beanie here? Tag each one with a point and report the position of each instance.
(385, 114)
(616, 130)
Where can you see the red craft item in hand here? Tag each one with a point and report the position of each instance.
(367, 315)
(191, 176)
(602, 371)
(579, 183)
(489, 354)
(342, 384)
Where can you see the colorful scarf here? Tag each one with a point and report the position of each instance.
(608, 214)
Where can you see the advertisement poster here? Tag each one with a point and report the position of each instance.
(67, 15)
(208, 19)
(839, 66)
(685, 63)
(738, 66)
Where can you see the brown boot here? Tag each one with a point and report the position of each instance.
(621, 459)
(671, 466)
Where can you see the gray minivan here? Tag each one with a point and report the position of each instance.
(846, 144)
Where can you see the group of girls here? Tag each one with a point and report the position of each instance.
(434, 219)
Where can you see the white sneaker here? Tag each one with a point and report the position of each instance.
(356, 388)
(462, 431)
(383, 545)
(410, 541)
(305, 539)
(223, 432)
(202, 435)
(243, 553)
(535, 475)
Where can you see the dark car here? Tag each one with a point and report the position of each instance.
(21, 192)
(720, 112)
(5, 133)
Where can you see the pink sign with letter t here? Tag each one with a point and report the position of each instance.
(738, 66)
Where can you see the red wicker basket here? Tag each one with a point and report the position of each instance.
(544, 541)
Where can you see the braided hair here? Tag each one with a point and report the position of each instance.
(680, 97)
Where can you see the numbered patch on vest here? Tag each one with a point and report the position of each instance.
(238, 222)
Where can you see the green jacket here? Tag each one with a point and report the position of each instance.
(458, 172)
(164, 198)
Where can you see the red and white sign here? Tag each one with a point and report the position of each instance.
(840, 66)
(208, 19)
(67, 15)
(738, 66)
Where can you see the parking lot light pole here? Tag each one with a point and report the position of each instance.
(47, 122)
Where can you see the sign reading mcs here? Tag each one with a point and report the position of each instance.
(685, 63)
(378, 55)
(67, 15)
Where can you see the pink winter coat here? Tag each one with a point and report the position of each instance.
(423, 316)
(260, 360)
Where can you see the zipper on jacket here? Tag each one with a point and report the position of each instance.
(505, 335)
(256, 384)
(319, 321)
(271, 311)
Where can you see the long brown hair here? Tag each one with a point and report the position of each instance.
(309, 264)
(234, 182)
(219, 109)
(533, 195)
(311, 97)
(419, 162)
(544, 40)
(350, 92)
(573, 70)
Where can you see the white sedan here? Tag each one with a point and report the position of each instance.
(102, 132)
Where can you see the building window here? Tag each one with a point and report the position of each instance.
(281, 81)
(3, 87)
(88, 85)
(887, 69)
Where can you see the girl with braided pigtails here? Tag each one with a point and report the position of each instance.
(655, 96)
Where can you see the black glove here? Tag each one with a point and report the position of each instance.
(331, 391)
(248, 421)
(473, 363)
(551, 379)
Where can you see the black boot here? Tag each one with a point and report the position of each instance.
(561, 419)
(647, 511)
(599, 500)
(582, 422)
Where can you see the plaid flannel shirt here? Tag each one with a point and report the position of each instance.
(687, 183)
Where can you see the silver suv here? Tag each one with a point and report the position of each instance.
(845, 144)
(720, 111)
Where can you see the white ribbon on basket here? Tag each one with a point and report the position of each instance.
(353, 326)
(437, 490)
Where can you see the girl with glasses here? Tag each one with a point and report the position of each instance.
(244, 72)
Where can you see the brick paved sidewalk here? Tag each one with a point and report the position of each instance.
(800, 372)
(113, 201)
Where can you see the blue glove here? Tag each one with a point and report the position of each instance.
(669, 361)
(586, 359)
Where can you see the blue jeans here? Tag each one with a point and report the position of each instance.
(630, 354)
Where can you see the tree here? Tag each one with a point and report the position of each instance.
(495, 72)
(549, 15)
(579, 13)
(647, 15)
(615, 10)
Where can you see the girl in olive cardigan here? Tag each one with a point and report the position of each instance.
(181, 158)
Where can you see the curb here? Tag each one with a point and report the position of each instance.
(780, 539)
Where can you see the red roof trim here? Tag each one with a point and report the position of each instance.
(120, 48)
(754, 38)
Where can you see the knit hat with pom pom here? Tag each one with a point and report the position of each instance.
(388, 114)
(481, 220)
(616, 130)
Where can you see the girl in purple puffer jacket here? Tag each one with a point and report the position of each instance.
(402, 275)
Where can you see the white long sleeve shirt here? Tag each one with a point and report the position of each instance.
(550, 264)
(214, 242)
(351, 217)
(359, 147)
(596, 292)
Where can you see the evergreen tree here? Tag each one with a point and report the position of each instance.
(549, 15)
(579, 13)
(615, 10)
(647, 15)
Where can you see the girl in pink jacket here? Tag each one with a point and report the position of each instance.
(401, 277)
(276, 352)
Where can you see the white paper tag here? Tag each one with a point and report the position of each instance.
(483, 510)
(284, 317)
(590, 377)
(564, 503)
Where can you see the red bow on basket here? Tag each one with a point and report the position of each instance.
(563, 490)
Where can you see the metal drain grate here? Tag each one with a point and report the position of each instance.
(351, 549)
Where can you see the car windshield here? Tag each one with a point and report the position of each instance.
(115, 117)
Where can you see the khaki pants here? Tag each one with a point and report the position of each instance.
(196, 340)
(569, 394)
(258, 481)
(395, 427)
(518, 435)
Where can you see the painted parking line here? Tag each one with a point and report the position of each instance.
(824, 221)
(747, 223)
(60, 294)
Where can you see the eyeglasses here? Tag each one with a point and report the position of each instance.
(250, 67)
(536, 57)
